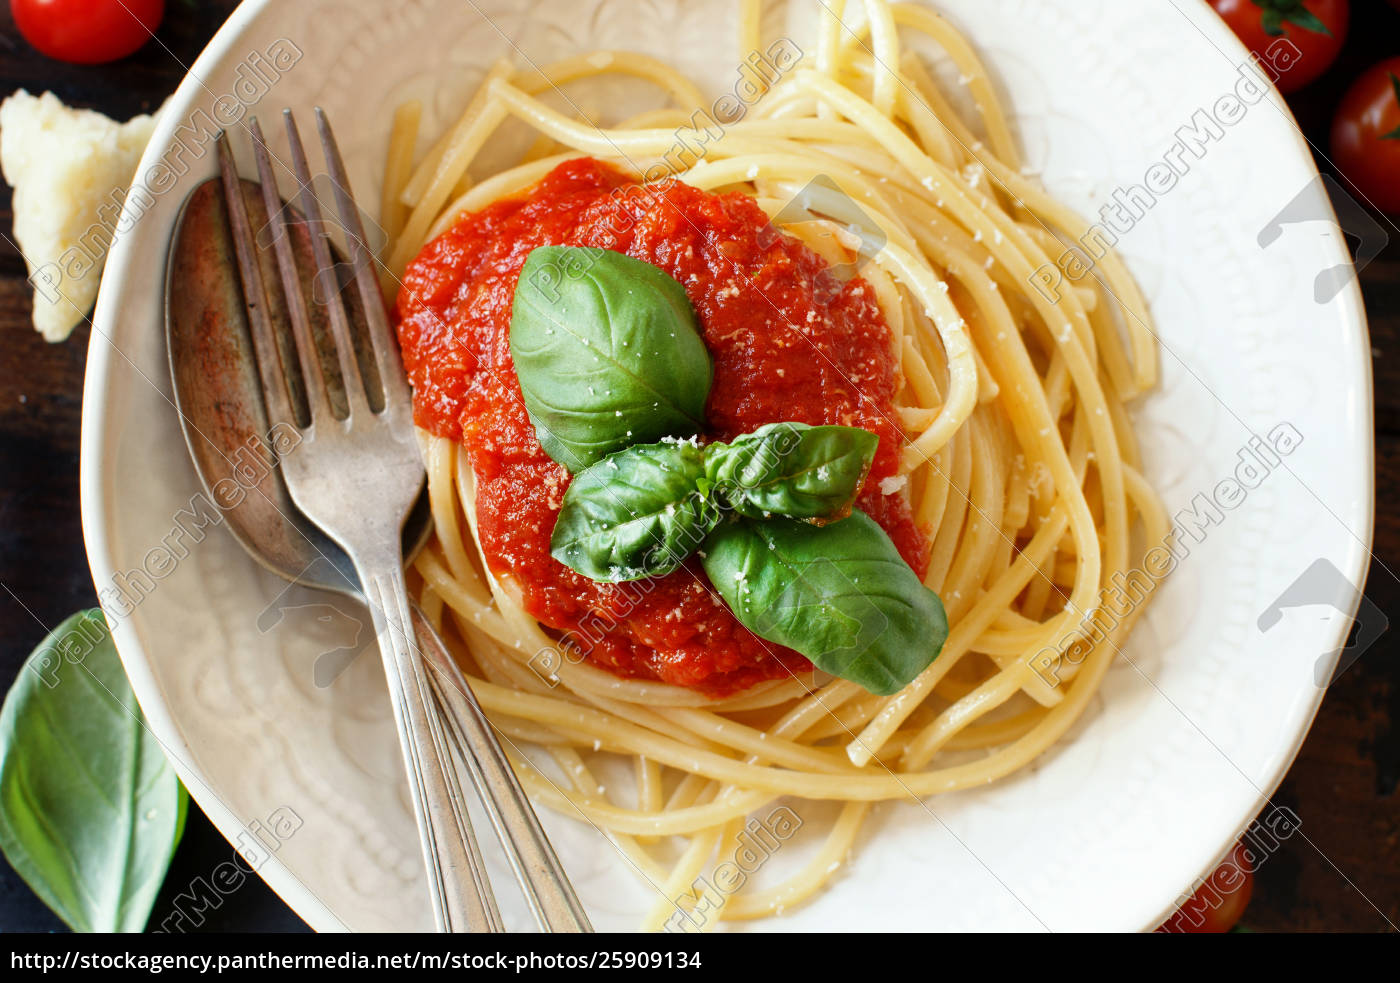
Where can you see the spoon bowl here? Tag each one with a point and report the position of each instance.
(221, 410)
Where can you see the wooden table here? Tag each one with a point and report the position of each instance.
(1343, 784)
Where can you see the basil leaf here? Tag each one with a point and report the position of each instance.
(792, 469)
(840, 594)
(607, 352)
(90, 810)
(636, 514)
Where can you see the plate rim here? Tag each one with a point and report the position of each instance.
(1361, 548)
(158, 711)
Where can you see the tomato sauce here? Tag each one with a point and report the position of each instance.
(788, 343)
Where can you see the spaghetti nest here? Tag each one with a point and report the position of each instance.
(1018, 457)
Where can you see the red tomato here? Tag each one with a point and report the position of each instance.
(1366, 135)
(1220, 901)
(87, 31)
(1264, 26)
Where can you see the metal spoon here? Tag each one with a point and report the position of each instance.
(217, 391)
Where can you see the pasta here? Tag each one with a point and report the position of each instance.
(1019, 457)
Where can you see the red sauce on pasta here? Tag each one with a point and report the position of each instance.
(788, 342)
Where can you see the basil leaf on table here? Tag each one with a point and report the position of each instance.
(792, 469)
(840, 594)
(607, 352)
(636, 514)
(90, 810)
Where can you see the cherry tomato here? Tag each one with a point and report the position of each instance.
(1221, 899)
(87, 32)
(1366, 135)
(1315, 29)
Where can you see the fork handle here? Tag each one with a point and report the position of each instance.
(537, 867)
(457, 881)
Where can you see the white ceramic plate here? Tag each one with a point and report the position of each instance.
(1189, 735)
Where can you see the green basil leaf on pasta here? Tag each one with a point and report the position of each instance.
(607, 352)
(792, 469)
(90, 810)
(637, 513)
(840, 594)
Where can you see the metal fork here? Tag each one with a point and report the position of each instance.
(356, 476)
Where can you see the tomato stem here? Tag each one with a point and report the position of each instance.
(1280, 12)
(1394, 84)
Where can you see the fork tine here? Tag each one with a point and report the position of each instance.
(317, 398)
(355, 396)
(386, 349)
(276, 398)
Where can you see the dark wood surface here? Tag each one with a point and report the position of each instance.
(1346, 877)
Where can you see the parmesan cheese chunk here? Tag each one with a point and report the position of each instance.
(70, 169)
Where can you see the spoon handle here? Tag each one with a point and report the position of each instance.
(457, 880)
(547, 888)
